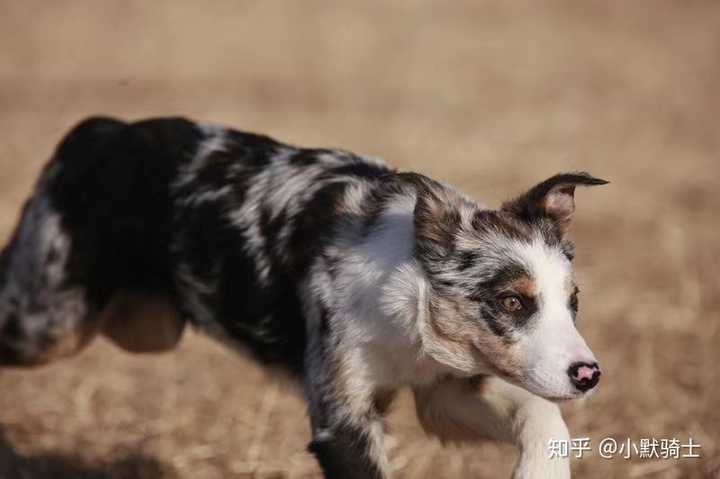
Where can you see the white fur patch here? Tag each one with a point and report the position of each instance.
(377, 293)
(553, 343)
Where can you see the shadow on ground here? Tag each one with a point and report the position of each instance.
(14, 465)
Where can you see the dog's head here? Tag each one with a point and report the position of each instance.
(500, 289)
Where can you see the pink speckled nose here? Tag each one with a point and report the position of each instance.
(584, 376)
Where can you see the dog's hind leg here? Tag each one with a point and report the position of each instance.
(463, 410)
(50, 298)
(44, 313)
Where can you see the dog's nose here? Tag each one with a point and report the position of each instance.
(584, 376)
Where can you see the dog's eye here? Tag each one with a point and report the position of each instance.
(511, 304)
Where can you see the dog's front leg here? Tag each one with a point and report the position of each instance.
(346, 416)
(458, 410)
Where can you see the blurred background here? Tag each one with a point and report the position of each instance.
(490, 96)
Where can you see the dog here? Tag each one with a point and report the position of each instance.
(356, 278)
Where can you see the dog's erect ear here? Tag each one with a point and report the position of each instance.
(554, 198)
(437, 219)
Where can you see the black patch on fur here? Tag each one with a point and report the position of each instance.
(313, 229)
(490, 294)
(375, 202)
(306, 157)
(253, 142)
(4, 264)
(12, 329)
(266, 318)
(501, 279)
(574, 302)
(568, 249)
(493, 318)
(10, 356)
(467, 259)
(360, 169)
(344, 455)
(112, 190)
(324, 323)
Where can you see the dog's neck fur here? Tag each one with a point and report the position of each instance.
(387, 296)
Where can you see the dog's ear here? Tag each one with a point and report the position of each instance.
(437, 220)
(554, 198)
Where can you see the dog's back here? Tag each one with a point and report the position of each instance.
(217, 224)
(251, 216)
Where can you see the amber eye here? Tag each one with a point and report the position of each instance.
(511, 304)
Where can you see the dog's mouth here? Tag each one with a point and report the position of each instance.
(563, 399)
(557, 396)
(554, 397)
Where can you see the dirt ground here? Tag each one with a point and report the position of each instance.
(490, 96)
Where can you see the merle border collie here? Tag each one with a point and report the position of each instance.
(356, 278)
